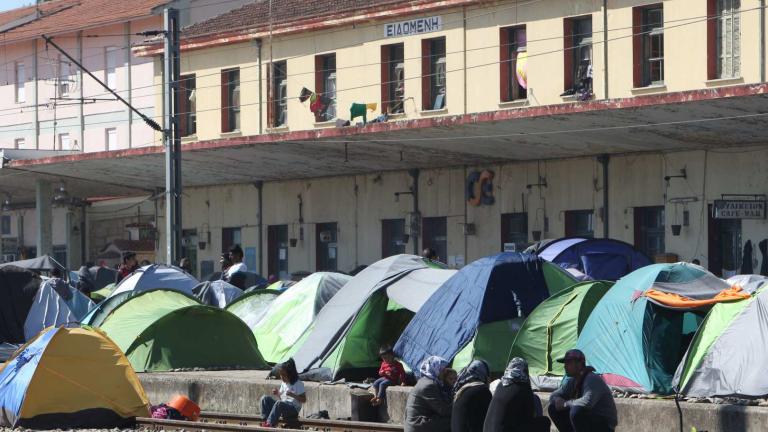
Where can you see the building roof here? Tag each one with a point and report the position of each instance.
(64, 16)
(294, 16)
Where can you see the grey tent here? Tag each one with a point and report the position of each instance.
(102, 276)
(729, 350)
(41, 263)
(343, 340)
(216, 293)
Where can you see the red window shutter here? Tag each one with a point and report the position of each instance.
(567, 54)
(270, 95)
(385, 78)
(637, 47)
(225, 103)
(504, 64)
(183, 109)
(712, 39)
(426, 78)
(319, 83)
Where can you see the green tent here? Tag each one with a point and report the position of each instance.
(291, 314)
(164, 330)
(103, 293)
(554, 327)
(252, 306)
(96, 316)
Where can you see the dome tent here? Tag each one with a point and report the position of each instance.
(217, 293)
(291, 314)
(554, 327)
(157, 276)
(101, 389)
(600, 259)
(480, 306)
(96, 316)
(165, 330)
(18, 288)
(55, 303)
(251, 306)
(639, 331)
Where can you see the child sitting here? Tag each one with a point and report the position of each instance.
(391, 372)
(291, 393)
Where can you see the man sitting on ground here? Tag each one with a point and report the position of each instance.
(583, 403)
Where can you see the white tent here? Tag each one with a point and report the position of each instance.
(157, 276)
(55, 303)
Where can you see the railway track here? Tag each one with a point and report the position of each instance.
(210, 421)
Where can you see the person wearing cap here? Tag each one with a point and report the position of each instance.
(583, 403)
(391, 372)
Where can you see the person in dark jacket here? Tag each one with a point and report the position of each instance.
(85, 283)
(583, 403)
(130, 264)
(428, 409)
(513, 407)
(472, 397)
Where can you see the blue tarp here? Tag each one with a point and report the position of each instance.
(494, 288)
(600, 259)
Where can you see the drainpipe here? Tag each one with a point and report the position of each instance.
(604, 159)
(261, 90)
(83, 237)
(414, 173)
(605, 49)
(464, 53)
(762, 40)
(260, 254)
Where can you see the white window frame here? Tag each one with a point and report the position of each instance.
(728, 38)
(65, 141)
(21, 79)
(110, 67)
(19, 143)
(110, 139)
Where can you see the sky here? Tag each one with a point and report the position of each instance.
(13, 4)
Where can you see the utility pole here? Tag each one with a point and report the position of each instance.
(172, 140)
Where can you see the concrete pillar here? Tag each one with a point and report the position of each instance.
(44, 215)
(74, 240)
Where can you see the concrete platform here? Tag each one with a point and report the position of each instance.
(240, 391)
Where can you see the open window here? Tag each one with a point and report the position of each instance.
(578, 57)
(230, 100)
(325, 87)
(514, 82)
(723, 39)
(433, 74)
(392, 78)
(278, 104)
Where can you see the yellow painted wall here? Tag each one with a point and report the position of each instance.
(358, 55)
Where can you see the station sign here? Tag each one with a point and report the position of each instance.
(413, 27)
(739, 209)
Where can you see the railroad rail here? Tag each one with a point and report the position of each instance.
(210, 421)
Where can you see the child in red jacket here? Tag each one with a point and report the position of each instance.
(391, 372)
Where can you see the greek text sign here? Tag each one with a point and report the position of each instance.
(414, 26)
(739, 209)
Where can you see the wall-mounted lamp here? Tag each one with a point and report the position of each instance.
(683, 175)
(542, 183)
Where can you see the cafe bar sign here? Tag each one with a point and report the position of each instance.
(413, 26)
(740, 207)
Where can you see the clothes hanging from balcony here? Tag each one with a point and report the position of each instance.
(361, 110)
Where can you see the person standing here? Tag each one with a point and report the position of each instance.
(428, 408)
(472, 398)
(236, 259)
(130, 264)
(584, 402)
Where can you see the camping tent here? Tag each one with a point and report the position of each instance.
(345, 337)
(100, 295)
(103, 276)
(18, 287)
(99, 388)
(640, 330)
(157, 276)
(484, 304)
(749, 283)
(554, 327)
(217, 293)
(55, 303)
(98, 313)
(727, 353)
(41, 263)
(251, 306)
(600, 259)
(161, 330)
(289, 315)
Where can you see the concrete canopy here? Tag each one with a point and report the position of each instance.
(699, 119)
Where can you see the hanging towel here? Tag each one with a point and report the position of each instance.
(358, 110)
(746, 260)
(763, 246)
(305, 94)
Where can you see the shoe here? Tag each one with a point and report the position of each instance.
(265, 424)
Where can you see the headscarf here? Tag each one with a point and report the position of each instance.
(432, 366)
(478, 370)
(516, 372)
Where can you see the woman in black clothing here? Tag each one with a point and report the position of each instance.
(472, 398)
(512, 408)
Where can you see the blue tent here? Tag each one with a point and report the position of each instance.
(600, 259)
(481, 298)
